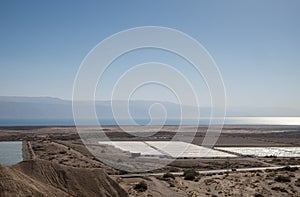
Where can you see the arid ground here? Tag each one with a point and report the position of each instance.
(59, 154)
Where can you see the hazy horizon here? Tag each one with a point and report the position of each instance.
(56, 108)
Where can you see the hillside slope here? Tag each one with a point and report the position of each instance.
(43, 178)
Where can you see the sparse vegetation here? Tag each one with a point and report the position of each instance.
(168, 175)
(62, 152)
(37, 148)
(255, 183)
(282, 179)
(291, 169)
(190, 174)
(279, 189)
(171, 185)
(141, 186)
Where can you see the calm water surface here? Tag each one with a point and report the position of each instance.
(10, 153)
(203, 121)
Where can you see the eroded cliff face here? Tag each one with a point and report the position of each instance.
(43, 178)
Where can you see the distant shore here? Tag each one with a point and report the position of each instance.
(202, 121)
(231, 135)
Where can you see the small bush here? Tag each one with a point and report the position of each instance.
(141, 186)
(37, 148)
(279, 189)
(190, 174)
(62, 152)
(289, 168)
(171, 185)
(283, 179)
(168, 175)
(189, 177)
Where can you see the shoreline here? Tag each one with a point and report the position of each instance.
(27, 152)
(24, 127)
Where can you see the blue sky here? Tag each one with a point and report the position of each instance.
(256, 44)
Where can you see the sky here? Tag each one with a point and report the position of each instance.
(255, 44)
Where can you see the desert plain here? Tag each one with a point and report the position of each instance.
(56, 162)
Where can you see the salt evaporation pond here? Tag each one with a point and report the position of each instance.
(183, 149)
(133, 147)
(170, 148)
(10, 153)
(264, 151)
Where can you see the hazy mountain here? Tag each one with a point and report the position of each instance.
(55, 108)
(21, 99)
(34, 107)
(47, 107)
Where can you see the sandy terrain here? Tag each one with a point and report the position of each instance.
(44, 178)
(61, 148)
(261, 183)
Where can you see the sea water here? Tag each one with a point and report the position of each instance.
(144, 121)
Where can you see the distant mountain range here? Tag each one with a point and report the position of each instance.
(49, 108)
